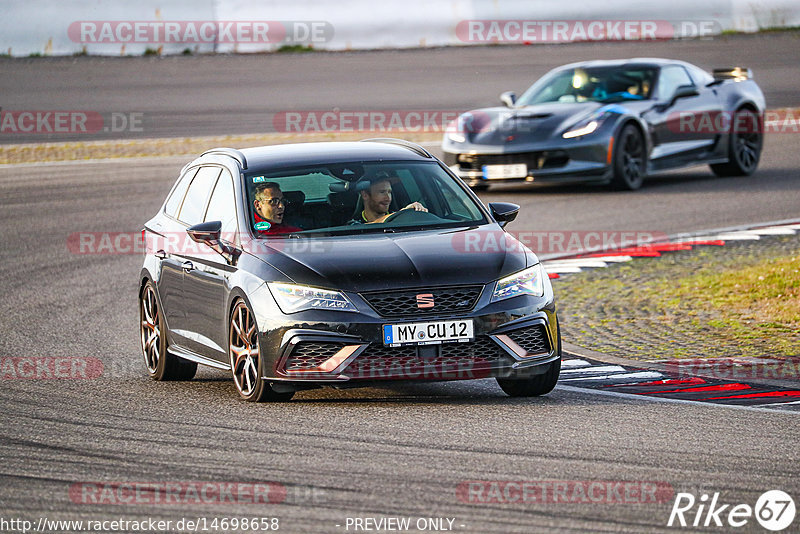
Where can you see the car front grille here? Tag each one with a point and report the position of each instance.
(453, 360)
(534, 160)
(459, 299)
(533, 339)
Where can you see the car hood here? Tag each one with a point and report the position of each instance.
(404, 259)
(494, 126)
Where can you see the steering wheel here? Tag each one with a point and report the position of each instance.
(411, 215)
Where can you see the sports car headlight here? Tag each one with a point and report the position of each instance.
(527, 282)
(456, 137)
(292, 298)
(584, 129)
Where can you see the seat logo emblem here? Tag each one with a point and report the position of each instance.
(424, 300)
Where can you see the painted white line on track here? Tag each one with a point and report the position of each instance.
(562, 270)
(576, 263)
(614, 259)
(649, 398)
(736, 236)
(622, 376)
(571, 364)
(775, 230)
(780, 403)
(597, 369)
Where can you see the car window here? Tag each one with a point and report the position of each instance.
(179, 191)
(331, 198)
(222, 206)
(670, 79)
(591, 84)
(194, 205)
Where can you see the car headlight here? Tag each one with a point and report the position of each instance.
(527, 282)
(293, 298)
(456, 137)
(582, 129)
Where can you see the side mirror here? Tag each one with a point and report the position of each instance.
(503, 212)
(509, 99)
(209, 234)
(684, 91)
(206, 232)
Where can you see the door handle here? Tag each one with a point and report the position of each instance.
(187, 266)
(161, 254)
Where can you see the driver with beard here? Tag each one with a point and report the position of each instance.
(376, 194)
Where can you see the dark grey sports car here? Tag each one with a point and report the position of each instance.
(612, 122)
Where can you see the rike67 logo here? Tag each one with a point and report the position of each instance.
(774, 510)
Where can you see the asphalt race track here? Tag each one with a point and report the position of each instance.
(381, 452)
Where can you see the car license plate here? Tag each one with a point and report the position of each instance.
(428, 333)
(495, 172)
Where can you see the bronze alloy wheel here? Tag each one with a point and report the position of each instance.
(161, 365)
(150, 329)
(245, 357)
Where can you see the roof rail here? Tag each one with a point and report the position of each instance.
(231, 152)
(401, 142)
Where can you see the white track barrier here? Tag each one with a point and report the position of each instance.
(49, 28)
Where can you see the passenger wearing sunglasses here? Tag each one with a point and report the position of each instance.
(269, 209)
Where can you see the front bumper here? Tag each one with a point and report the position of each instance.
(569, 161)
(514, 338)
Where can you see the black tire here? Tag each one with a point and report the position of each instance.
(245, 358)
(160, 364)
(629, 163)
(537, 385)
(479, 187)
(744, 146)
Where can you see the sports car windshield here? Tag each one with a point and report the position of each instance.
(356, 198)
(591, 84)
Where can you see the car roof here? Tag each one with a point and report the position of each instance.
(299, 154)
(643, 61)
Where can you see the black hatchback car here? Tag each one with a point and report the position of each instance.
(341, 264)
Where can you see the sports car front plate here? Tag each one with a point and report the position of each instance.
(498, 172)
(428, 333)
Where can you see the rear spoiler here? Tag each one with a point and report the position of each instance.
(733, 73)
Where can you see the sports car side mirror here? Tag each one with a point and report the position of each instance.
(503, 212)
(684, 91)
(509, 99)
(209, 233)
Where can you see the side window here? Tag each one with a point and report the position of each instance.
(671, 78)
(222, 206)
(194, 205)
(175, 199)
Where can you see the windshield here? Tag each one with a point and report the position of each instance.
(358, 197)
(594, 84)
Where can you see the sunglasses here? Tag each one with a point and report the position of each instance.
(275, 201)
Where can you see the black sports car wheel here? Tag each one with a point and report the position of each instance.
(744, 148)
(160, 364)
(629, 160)
(246, 359)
